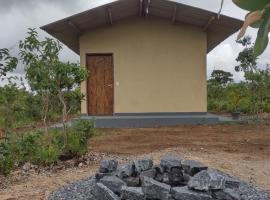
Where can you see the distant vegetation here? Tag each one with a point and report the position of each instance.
(249, 96)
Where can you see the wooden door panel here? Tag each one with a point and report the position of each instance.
(100, 85)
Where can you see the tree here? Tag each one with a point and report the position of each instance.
(49, 76)
(221, 77)
(40, 57)
(8, 63)
(257, 79)
(246, 59)
(259, 85)
(65, 77)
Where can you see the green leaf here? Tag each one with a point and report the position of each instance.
(262, 37)
(251, 5)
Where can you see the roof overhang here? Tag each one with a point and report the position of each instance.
(68, 30)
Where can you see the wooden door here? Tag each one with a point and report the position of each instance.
(100, 84)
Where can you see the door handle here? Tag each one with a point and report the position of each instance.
(110, 85)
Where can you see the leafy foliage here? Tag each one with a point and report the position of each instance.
(8, 63)
(251, 95)
(246, 59)
(259, 17)
(54, 92)
(221, 77)
(48, 76)
(34, 148)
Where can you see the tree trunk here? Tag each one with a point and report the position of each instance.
(45, 99)
(64, 116)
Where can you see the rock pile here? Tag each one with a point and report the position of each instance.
(172, 179)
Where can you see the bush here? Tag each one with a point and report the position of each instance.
(78, 137)
(29, 145)
(76, 145)
(266, 107)
(47, 155)
(244, 105)
(6, 160)
(85, 128)
(37, 149)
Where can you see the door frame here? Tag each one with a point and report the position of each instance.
(87, 82)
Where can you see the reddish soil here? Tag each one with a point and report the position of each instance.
(251, 139)
(240, 150)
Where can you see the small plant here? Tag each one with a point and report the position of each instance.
(47, 155)
(76, 145)
(28, 146)
(85, 128)
(35, 147)
(78, 137)
(235, 99)
(6, 160)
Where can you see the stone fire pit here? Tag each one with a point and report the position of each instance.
(172, 179)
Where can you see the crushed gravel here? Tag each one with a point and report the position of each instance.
(80, 190)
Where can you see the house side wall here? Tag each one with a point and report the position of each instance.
(158, 66)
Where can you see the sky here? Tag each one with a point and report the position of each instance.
(18, 15)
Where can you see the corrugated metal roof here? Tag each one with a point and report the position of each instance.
(69, 29)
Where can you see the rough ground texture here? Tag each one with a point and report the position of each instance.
(204, 184)
(240, 150)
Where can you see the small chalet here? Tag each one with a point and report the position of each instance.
(146, 60)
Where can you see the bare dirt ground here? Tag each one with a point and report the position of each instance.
(240, 150)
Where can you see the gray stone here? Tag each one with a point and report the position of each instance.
(159, 169)
(143, 165)
(132, 193)
(165, 178)
(113, 183)
(186, 178)
(151, 173)
(132, 181)
(176, 176)
(153, 189)
(108, 166)
(193, 167)
(183, 193)
(231, 183)
(207, 180)
(227, 194)
(159, 173)
(126, 171)
(99, 175)
(169, 161)
(101, 192)
(26, 166)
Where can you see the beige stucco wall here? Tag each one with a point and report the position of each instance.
(158, 66)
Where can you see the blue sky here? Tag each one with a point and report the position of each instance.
(17, 15)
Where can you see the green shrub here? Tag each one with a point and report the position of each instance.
(47, 155)
(38, 149)
(78, 137)
(6, 164)
(244, 105)
(76, 144)
(266, 107)
(6, 159)
(28, 145)
(85, 128)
